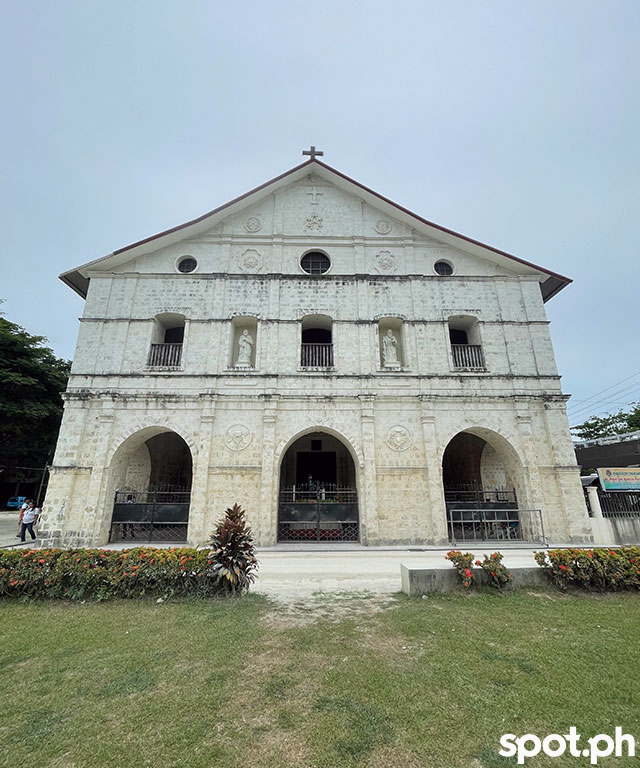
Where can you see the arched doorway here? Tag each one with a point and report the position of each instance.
(151, 475)
(318, 498)
(483, 482)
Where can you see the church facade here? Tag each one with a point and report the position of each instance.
(341, 367)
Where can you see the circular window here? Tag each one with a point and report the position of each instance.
(187, 264)
(315, 263)
(443, 268)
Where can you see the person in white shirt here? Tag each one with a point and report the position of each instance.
(29, 519)
(25, 505)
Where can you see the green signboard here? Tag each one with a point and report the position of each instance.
(619, 478)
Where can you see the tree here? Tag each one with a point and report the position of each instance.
(611, 424)
(31, 380)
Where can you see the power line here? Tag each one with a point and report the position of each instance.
(606, 389)
(585, 409)
(629, 391)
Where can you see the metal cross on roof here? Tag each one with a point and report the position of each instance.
(313, 152)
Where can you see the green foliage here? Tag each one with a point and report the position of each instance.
(232, 555)
(611, 424)
(492, 565)
(31, 380)
(601, 570)
(462, 563)
(100, 574)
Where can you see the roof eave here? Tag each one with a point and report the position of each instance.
(553, 283)
(76, 282)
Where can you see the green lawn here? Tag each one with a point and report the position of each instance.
(431, 683)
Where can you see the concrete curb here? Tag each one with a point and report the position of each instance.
(424, 581)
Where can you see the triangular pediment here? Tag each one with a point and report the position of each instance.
(314, 203)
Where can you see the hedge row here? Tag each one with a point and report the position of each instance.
(600, 570)
(100, 574)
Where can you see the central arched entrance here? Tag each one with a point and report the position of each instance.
(151, 476)
(318, 498)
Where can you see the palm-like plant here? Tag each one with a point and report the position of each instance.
(232, 557)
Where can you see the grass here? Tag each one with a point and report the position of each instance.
(430, 683)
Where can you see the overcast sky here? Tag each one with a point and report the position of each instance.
(515, 123)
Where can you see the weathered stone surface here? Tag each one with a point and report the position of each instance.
(238, 423)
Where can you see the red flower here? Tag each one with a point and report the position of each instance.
(478, 562)
(467, 573)
(563, 567)
(42, 561)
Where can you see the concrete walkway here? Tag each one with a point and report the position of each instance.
(291, 575)
(9, 528)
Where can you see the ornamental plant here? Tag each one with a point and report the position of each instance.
(492, 565)
(101, 574)
(601, 569)
(232, 558)
(462, 563)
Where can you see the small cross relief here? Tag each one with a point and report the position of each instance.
(314, 195)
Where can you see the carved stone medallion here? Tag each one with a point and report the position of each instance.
(383, 226)
(253, 224)
(314, 222)
(237, 437)
(250, 261)
(385, 262)
(398, 438)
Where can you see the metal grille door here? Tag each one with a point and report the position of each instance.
(323, 512)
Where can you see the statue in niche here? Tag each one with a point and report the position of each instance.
(390, 350)
(245, 343)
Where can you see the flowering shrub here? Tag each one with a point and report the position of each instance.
(499, 575)
(600, 569)
(232, 557)
(78, 574)
(462, 563)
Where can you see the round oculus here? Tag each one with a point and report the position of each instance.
(443, 268)
(187, 264)
(315, 263)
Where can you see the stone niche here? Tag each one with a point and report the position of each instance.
(242, 346)
(391, 344)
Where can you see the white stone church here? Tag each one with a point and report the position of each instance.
(344, 369)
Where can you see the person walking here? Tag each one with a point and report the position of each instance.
(29, 519)
(25, 506)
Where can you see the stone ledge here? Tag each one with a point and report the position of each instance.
(424, 581)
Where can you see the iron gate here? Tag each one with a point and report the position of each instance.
(144, 517)
(475, 514)
(318, 512)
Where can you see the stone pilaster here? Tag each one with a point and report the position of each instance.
(367, 490)
(434, 503)
(267, 529)
(199, 516)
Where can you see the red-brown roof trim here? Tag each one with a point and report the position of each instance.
(215, 210)
(357, 184)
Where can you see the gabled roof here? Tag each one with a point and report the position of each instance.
(78, 278)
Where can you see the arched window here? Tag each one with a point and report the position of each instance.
(167, 341)
(466, 349)
(317, 342)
